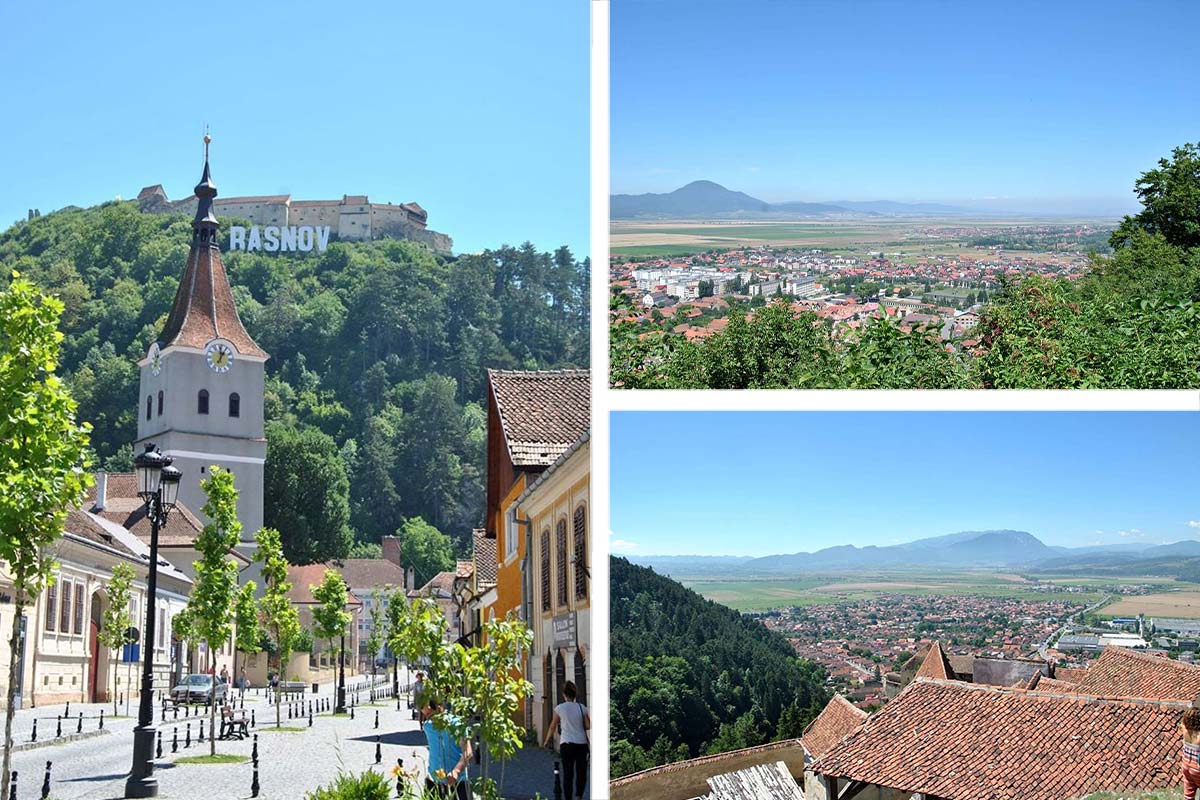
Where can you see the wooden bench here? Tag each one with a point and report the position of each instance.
(235, 726)
(292, 687)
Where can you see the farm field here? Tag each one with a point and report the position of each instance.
(759, 594)
(1184, 604)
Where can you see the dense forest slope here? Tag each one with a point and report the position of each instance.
(690, 677)
(378, 353)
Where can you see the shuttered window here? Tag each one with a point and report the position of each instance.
(579, 532)
(546, 570)
(560, 545)
(64, 615)
(52, 607)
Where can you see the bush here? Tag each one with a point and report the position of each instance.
(370, 785)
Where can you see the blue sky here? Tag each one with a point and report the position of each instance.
(761, 483)
(477, 110)
(1036, 105)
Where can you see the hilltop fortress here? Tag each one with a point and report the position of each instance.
(353, 218)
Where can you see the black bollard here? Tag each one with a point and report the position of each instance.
(399, 777)
(176, 714)
(164, 714)
(289, 710)
(377, 719)
(58, 730)
(158, 747)
(46, 782)
(378, 751)
(67, 712)
(175, 741)
(201, 739)
(254, 783)
(254, 752)
(253, 722)
(397, 702)
(13, 794)
(310, 708)
(102, 719)
(187, 737)
(310, 718)
(79, 729)
(557, 782)
(33, 738)
(351, 711)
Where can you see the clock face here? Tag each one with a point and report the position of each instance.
(155, 359)
(220, 356)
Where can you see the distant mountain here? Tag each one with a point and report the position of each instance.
(963, 550)
(706, 199)
(698, 198)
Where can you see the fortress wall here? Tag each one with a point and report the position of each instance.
(314, 213)
(258, 212)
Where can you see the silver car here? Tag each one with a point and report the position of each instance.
(198, 689)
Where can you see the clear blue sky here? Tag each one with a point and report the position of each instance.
(761, 483)
(478, 110)
(1045, 106)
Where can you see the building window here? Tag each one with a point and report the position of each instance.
(235, 405)
(580, 678)
(64, 611)
(149, 406)
(546, 570)
(560, 561)
(202, 402)
(511, 532)
(78, 629)
(160, 631)
(52, 607)
(160, 402)
(579, 523)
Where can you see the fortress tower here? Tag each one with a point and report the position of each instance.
(201, 398)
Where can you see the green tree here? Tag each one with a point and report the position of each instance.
(279, 616)
(375, 638)
(43, 459)
(306, 494)
(116, 620)
(1170, 197)
(211, 605)
(330, 617)
(248, 634)
(425, 549)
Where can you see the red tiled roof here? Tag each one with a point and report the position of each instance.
(123, 506)
(962, 741)
(304, 577)
(1071, 674)
(541, 413)
(442, 582)
(485, 557)
(1121, 672)
(464, 569)
(837, 720)
(936, 665)
(204, 309)
(370, 573)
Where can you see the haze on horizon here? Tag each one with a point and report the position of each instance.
(1014, 108)
(766, 483)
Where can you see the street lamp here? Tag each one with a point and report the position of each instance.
(341, 692)
(158, 486)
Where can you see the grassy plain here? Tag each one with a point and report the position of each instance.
(762, 593)
(1184, 604)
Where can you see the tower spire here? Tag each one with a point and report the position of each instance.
(205, 223)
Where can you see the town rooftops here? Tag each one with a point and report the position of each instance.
(122, 505)
(963, 741)
(837, 720)
(485, 558)
(542, 413)
(303, 578)
(1120, 672)
(936, 665)
(369, 573)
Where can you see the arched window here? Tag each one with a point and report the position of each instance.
(580, 678)
(149, 406)
(202, 402)
(160, 404)
(546, 570)
(235, 405)
(579, 532)
(560, 561)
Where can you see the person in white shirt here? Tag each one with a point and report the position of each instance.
(572, 721)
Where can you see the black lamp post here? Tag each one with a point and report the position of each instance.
(158, 486)
(341, 693)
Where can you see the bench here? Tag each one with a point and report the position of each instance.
(235, 726)
(291, 687)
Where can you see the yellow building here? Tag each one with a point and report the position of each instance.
(558, 506)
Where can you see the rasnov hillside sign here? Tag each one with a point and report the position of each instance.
(279, 239)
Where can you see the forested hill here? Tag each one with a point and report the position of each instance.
(691, 677)
(378, 353)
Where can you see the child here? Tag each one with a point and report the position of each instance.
(1190, 727)
(448, 759)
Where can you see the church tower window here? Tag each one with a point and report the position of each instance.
(160, 402)
(202, 402)
(149, 406)
(235, 405)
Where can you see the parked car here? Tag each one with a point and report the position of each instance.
(198, 689)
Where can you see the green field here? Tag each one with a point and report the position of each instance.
(760, 594)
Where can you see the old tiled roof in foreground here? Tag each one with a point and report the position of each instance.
(542, 413)
(1121, 672)
(936, 665)
(755, 783)
(484, 554)
(962, 741)
(837, 720)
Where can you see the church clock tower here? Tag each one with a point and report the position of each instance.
(201, 398)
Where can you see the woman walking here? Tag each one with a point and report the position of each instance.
(571, 718)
